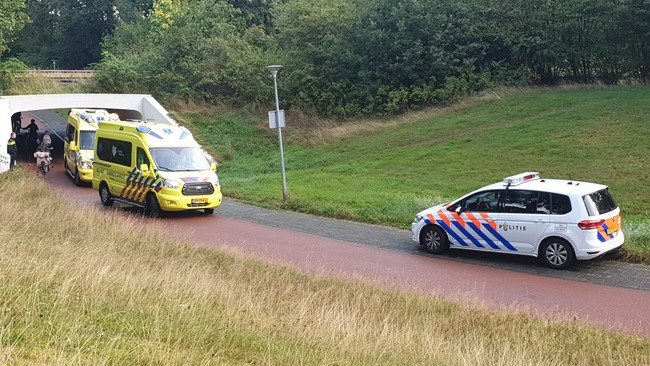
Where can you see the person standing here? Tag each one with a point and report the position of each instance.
(12, 150)
(16, 122)
(33, 134)
(47, 140)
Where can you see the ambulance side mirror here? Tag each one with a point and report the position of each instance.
(144, 168)
(213, 166)
(73, 145)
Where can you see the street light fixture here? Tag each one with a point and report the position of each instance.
(274, 71)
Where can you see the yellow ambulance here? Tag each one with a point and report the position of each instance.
(158, 167)
(79, 142)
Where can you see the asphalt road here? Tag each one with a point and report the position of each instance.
(346, 249)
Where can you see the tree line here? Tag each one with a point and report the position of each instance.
(342, 58)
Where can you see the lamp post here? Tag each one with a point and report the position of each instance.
(274, 71)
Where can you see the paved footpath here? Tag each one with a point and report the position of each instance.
(599, 271)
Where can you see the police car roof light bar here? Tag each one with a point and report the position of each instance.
(521, 178)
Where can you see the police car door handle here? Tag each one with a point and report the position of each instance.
(539, 220)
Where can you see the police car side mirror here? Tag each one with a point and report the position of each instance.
(144, 168)
(213, 166)
(459, 209)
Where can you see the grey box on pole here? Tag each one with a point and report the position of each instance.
(272, 120)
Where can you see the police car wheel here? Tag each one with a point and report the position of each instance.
(153, 207)
(435, 239)
(105, 195)
(557, 253)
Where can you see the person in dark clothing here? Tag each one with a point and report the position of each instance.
(16, 122)
(12, 150)
(33, 134)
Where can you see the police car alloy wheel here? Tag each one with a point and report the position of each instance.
(557, 253)
(435, 239)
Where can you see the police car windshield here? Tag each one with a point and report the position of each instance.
(87, 140)
(179, 159)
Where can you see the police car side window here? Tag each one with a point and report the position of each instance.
(560, 204)
(543, 203)
(485, 201)
(520, 201)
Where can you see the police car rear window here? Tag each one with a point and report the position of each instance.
(599, 202)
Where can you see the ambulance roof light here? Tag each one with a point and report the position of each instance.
(143, 129)
(521, 178)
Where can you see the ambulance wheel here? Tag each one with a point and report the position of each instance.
(208, 211)
(434, 238)
(153, 207)
(557, 253)
(105, 195)
(77, 180)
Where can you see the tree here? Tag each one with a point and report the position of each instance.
(201, 51)
(12, 19)
(635, 33)
(70, 32)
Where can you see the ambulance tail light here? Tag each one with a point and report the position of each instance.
(590, 224)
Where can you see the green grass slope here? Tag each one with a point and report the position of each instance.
(389, 170)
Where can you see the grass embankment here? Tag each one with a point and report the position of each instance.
(384, 172)
(79, 285)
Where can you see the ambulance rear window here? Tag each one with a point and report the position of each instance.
(599, 202)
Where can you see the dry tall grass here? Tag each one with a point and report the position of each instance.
(28, 85)
(81, 286)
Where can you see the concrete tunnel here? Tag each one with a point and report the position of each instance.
(128, 106)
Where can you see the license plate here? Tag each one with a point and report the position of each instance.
(199, 200)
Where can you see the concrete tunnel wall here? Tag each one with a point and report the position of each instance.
(145, 105)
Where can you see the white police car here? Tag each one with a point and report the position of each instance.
(558, 221)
